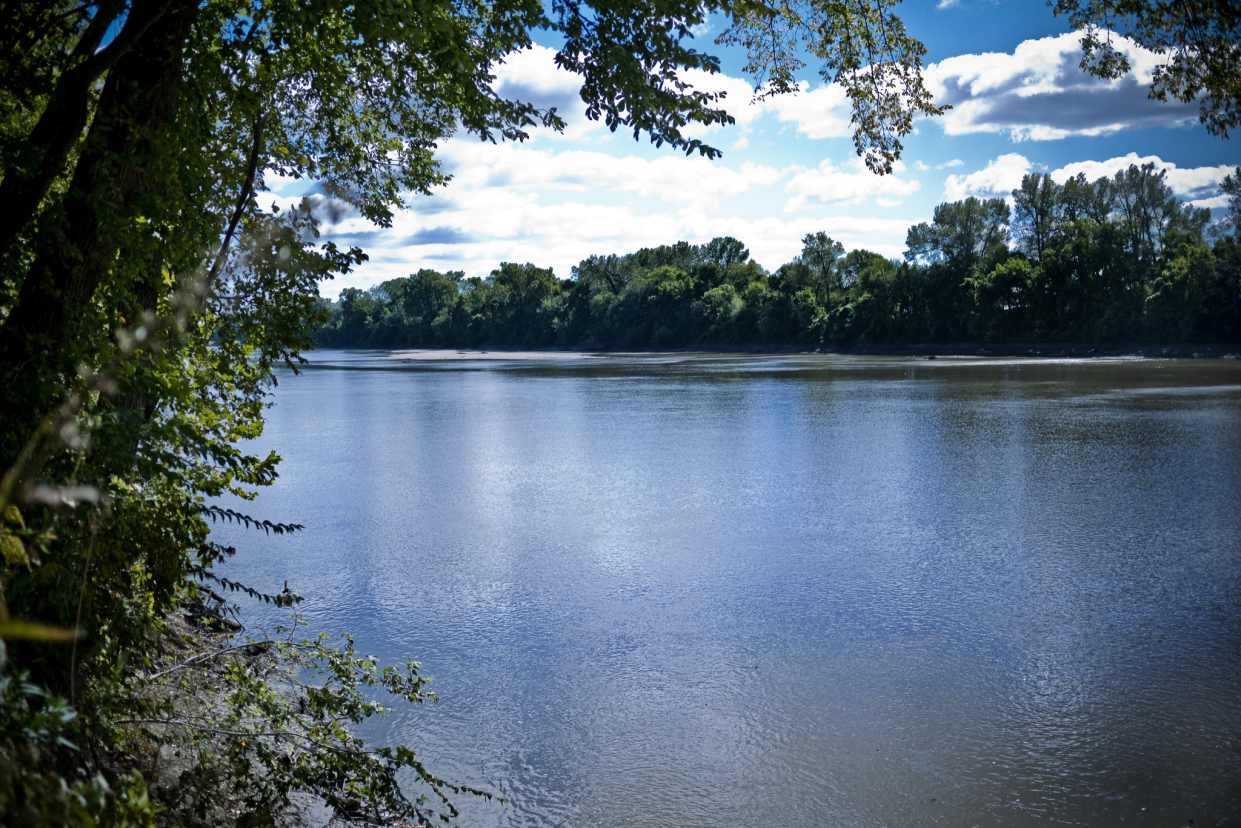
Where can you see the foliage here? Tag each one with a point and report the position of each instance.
(261, 717)
(1231, 188)
(862, 46)
(1118, 259)
(961, 232)
(1199, 40)
(33, 788)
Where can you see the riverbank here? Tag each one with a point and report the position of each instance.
(928, 350)
(227, 730)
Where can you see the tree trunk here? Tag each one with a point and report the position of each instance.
(40, 343)
(46, 150)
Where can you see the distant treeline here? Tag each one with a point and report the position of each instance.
(1119, 259)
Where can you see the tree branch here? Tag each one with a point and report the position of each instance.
(247, 190)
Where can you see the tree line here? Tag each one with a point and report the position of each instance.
(1118, 259)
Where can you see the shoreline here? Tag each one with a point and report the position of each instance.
(925, 350)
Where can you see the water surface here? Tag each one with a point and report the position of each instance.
(793, 591)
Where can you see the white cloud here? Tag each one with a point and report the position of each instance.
(1040, 93)
(508, 203)
(824, 112)
(829, 184)
(1219, 202)
(1185, 182)
(520, 227)
(737, 100)
(532, 76)
(956, 162)
(997, 180)
(556, 202)
(1002, 175)
(675, 179)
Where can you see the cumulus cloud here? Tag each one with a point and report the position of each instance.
(516, 226)
(675, 179)
(824, 112)
(829, 184)
(1219, 202)
(556, 202)
(997, 180)
(1038, 92)
(1187, 182)
(1003, 175)
(532, 76)
(557, 208)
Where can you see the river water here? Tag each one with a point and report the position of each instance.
(789, 591)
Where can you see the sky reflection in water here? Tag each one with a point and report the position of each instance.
(787, 591)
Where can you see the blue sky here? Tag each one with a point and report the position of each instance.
(1020, 104)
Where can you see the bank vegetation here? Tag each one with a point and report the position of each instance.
(1115, 260)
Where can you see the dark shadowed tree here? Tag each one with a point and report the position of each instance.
(723, 251)
(961, 232)
(1036, 210)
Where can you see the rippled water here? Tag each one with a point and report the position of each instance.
(784, 591)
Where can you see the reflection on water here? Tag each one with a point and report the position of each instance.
(684, 590)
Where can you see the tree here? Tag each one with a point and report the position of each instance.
(423, 298)
(724, 252)
(681, 255)
(1199, 40)
(717, 309)
(1231, 187)
(862, 268)
(815, 268)
(821, 255)
(1150, 212)
(1001, 298)
(1036, 208)
(609, 273)
(1083, 200)
(961, 232)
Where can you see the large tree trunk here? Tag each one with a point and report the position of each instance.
(41, 340)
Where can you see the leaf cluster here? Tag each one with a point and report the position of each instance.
(864, 47)
(1199, 41)
(266, 716)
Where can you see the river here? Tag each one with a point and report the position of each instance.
(796, 591)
